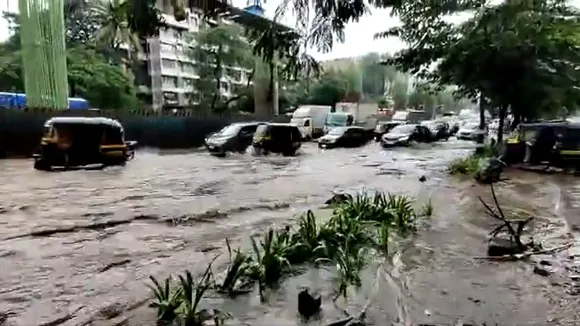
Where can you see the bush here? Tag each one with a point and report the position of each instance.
(469, 165)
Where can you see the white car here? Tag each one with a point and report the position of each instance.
(470, 130)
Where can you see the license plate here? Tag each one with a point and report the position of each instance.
(323, 145)
(211, 147)
(390, 142)
(114, 153)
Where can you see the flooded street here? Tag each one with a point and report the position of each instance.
(76, 248)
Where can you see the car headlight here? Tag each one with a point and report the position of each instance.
(404, 138)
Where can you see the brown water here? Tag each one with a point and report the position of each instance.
(77, 247)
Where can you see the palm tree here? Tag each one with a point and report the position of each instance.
(115, 32)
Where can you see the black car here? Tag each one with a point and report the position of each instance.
(404, 134)
(383, 128)
(439, 129)
(232, 138)
(280, 138)
(350, 136)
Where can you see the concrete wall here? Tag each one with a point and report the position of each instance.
(20, 131)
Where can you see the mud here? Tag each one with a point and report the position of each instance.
(76, 248)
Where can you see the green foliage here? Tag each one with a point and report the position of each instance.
(104, 84)
(470, 164)
(466, 166)
(518, 54)
(363, 225)
(217, 49)
(179, 304)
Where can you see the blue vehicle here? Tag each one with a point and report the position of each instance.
(18, 100)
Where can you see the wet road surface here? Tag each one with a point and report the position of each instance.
(77, 247)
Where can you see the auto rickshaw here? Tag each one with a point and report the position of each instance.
(78, 141)
(279, 138)
(557, 143)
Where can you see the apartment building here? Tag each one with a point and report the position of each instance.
(166, 72)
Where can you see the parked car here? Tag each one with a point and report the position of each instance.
(351, 136)
(439, 129)
(279, 138)
(385, 127)
(236, 137)
(470, 131)
(405, 134)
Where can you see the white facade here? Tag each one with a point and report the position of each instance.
(170, 69)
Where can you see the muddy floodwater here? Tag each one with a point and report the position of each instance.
(76, 248)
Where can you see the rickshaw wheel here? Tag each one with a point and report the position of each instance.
(42, 165)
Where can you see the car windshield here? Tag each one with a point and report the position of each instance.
(471, 125)
(230, 130)
(337, 131)
(403, 129)
(336, 119)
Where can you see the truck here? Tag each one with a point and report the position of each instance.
(410, 116)
(349, 113)
(310, 120)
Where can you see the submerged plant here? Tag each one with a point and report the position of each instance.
(270, 258)
(167, 299)
(427, 209)
(348, 267)
(383, 237)
(238, 267)
(467, 165)
(192, 293)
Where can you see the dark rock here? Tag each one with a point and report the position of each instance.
(422, 178)
(307, 304)
(541, 270)
(338, 199)
(489, 170)
(545, 263)
(501, 247)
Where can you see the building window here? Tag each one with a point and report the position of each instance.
(225, 87)
(193, 21)
(168, 48)
(188, 82)
(166, 33)
(192, 98)
(188, 67)
(166, 6)
(170, 98)
(168, 64)
(169, 81)
(235, 74)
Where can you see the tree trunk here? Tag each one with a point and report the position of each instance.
(271, 82)
(218, 78)
(502, 114)
(481, 111)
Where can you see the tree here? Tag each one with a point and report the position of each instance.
(81, 26)
(517, 54)
(218, 48)
(115, 29)
(90, 74)
(104, 84)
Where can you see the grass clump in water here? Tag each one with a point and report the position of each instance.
(470, 164)
(362, 225)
